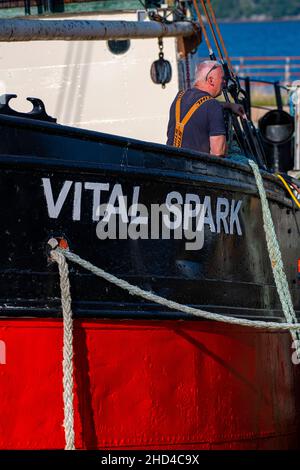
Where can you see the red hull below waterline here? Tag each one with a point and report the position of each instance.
(149, 385)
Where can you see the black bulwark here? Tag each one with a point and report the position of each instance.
(230, 274)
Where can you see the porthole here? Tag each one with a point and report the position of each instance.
(118, 47)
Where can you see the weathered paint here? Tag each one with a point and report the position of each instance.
(84, 30)
(149, 384)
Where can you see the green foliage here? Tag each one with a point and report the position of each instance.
(246, 8)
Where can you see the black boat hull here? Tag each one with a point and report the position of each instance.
(144, 379)
(51, 180)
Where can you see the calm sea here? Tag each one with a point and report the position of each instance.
(263, 39)
(276, 38)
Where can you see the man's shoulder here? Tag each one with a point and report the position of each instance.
(194, 94)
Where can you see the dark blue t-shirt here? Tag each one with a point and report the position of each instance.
(207, 121)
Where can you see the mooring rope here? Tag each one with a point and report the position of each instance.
(137, 291)
(60, 255)
(68, 384)
(275, 253)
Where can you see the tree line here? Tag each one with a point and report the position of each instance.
(247, 8)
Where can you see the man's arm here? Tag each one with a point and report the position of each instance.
(218, 145)
(216, 128)
(235, 108)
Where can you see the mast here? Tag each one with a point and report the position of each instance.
(13, 30)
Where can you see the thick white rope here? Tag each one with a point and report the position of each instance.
(275, 253)
(60, 255)
(68, 385)
(135, 290)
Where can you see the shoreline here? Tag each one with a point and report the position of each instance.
(264, 19)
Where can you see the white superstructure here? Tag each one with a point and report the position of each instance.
(84, 84)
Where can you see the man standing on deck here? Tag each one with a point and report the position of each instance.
(196, 118)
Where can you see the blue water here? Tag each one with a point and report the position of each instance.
(276, 38)
(263, 39)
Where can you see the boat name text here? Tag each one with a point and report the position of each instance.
(122, 217)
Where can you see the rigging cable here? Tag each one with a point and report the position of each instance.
(251, 136)
(203, 28)
(220, 36)
(237, 127)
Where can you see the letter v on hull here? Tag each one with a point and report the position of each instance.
(54, 208)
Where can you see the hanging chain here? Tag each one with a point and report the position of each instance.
(161, 48)
(187, 72)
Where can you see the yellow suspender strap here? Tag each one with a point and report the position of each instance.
(178, 134)
(289, 190)
(179, 128)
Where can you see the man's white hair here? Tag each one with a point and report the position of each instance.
(203, 69)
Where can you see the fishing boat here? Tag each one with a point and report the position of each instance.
(146, 363)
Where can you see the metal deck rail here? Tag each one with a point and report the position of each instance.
(273, 68)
